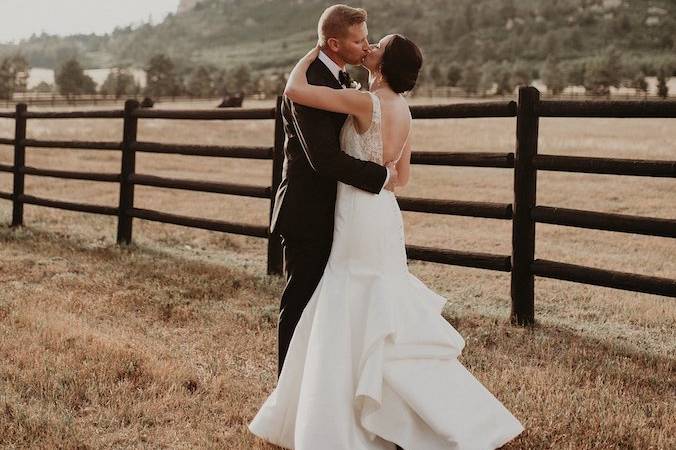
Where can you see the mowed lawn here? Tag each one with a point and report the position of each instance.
(171, 342)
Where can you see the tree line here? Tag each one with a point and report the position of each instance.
(597, 75)
(163, 79)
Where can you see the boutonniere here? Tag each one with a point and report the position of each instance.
(355, 85)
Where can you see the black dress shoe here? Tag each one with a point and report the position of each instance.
(399, 448)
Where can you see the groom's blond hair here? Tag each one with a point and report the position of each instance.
(335, 21)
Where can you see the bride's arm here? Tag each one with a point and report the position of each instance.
(404, 165)
(347, 101)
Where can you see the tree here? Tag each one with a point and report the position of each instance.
(200, 83)
(521, 75)
(72, 80)
(469, 82)
(465, 48)
(575, 74)
(453, 74)
(435, 75)
(553, 76)
(43, 87)
(503, 78)
(507, 10)
(551, 45)
(621, 24)
(663, 75)
(20, 72)
(280, 83)
(487, 78)
(221, 83)
(487, 50)
(6, 91)
(161, 78)
(119, 82)
(639, 83)
(242, 78)
(454, 27)
(575, 40)
(468, 14)
(603, 72)
(14, 72)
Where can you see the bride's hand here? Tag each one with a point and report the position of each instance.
(297, 78)
(394, 176)
(312, 54)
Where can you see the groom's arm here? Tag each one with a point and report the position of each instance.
(322, 150)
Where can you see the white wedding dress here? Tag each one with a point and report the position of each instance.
(372, 362)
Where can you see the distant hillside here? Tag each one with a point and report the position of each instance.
(186, 5)
(269, 34)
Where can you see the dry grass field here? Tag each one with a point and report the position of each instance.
(171, 342)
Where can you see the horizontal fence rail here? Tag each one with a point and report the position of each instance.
(201, 186)
(70, 206)
(206, 114)
(247, 152)
(607, 278)
(485, 159)
(609, 166)
(605, 221)
(456, 208)
(464, 110)
(523, 212)
(458, 258)
(90, 176)
(115, 114)
(607, 109)
(49, 99)
(75, 145)
(205, 224)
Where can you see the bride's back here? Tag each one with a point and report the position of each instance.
(395, 124)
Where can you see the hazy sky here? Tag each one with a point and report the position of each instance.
(20, 18)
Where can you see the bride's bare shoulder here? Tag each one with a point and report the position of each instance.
(395, 105)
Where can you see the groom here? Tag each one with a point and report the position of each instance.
(313, 164)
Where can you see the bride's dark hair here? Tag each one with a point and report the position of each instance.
(401, 63)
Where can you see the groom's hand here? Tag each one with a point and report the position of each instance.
(394, 176)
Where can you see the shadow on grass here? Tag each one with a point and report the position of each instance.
(569, 389)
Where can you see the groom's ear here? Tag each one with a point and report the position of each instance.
(333, 44)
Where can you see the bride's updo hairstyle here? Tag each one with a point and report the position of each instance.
(401, 63)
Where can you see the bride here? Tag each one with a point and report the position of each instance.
(372, 363)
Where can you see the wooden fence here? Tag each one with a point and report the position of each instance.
(523, 212)
(57, 100)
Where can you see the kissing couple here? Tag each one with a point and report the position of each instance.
(366, 360)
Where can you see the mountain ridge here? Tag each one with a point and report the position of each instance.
(271, 34)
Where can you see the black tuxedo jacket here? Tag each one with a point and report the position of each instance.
(313, 163)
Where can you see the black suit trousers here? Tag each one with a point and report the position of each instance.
(304, 264)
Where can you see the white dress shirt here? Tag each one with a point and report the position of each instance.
(335, 69)
(331, 64)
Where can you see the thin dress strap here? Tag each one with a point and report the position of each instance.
(408, 136)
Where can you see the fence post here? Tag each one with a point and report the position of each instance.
(523, 226)
(124, 221)
(19, 163)
(275, 257)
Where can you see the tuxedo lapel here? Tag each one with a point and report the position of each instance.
(324, 74)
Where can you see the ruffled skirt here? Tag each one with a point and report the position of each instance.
(372, 362)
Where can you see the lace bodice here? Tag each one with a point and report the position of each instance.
(369, 145)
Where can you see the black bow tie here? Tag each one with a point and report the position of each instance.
(344, 78)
